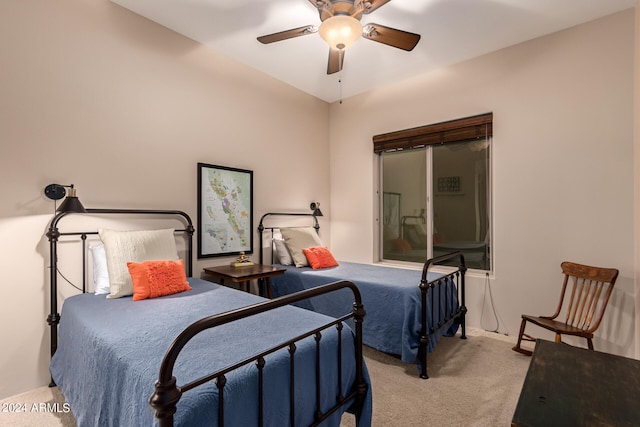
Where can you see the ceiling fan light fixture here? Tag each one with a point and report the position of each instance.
(340, 31)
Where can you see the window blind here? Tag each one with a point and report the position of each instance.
(468, 128)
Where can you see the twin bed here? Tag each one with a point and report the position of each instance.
(407, 310)
(217, 356)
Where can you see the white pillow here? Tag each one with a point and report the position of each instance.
(297, 239)
(134, 246)
(100, 271)
(284, 257)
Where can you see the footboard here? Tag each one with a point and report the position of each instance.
(442, 303)
(167, 393)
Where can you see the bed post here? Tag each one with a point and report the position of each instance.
(260, 230)
(54, 317)
(358, 317)
(463, 306)
(189, 229)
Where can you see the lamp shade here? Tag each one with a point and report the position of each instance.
(340, 31)
(72, 203)
(315, 207)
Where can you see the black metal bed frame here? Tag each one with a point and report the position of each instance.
(452, 311)
(167, 393)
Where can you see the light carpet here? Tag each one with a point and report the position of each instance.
(472, 382)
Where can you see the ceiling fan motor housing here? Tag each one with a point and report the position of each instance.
(352, 8)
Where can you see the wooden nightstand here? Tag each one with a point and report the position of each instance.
(244, 275)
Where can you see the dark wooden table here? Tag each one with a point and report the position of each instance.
(245, 274)
(571, 386)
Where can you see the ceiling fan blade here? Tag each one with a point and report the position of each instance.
(390, 36)
(288, 34)
(374, 4)
(336, 59)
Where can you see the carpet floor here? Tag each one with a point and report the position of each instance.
(472, 382)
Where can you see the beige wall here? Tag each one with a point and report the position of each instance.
(636, 164)
(123, 108)
(562, 166)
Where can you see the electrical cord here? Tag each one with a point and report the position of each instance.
(55, 203)
(487, 285)
(55, 206)
(67, 280)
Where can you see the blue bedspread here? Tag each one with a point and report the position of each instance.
(110, 350)
(391, 297)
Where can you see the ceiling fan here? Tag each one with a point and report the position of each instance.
(341, 27)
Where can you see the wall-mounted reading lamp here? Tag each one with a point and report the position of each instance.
(71, 203)
(315, 207)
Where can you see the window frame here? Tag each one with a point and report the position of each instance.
(479, 127)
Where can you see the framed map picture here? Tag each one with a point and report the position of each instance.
(225, 211)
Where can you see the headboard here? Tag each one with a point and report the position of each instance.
(53, 234)
(261, 228)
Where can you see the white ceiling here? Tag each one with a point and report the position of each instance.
(451, 30)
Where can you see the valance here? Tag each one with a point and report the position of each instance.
(469, 128)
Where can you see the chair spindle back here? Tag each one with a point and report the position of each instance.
(591, 289)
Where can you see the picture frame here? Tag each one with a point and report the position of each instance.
(225, 211)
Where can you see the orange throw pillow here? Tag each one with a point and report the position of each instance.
(152, 279)
(319, 257)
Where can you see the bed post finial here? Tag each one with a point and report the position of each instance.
(54, 317)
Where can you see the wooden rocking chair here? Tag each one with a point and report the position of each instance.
(591, 288)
